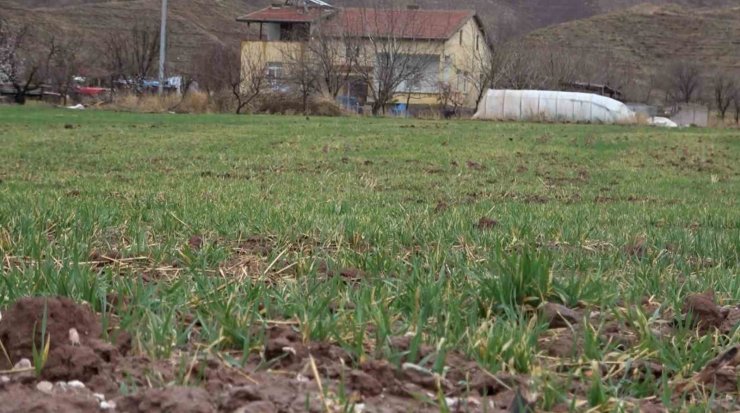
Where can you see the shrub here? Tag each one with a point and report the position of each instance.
(288, 105)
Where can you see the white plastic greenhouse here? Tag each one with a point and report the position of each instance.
(543, 105)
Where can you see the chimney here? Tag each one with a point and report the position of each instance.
(413, 6)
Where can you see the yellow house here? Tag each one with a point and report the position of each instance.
(446, 48)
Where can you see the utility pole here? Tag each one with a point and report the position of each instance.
(162, 45)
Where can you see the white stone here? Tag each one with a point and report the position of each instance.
(300, 378)
(23, 364)
(104, 405)
(45, 387)
(76, 384)
(100, 397)
(4, 379)
(74, 337)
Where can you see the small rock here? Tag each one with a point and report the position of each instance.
(104, 405)
(99, 397)
(300, 378)
(74, 337)
(45, 387)
(558, 315)
(76, 384)
(23, 364)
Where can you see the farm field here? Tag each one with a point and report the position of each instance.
(267, 263)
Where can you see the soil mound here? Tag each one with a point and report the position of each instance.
(21, 327)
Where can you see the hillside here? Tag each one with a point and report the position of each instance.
(503, 17)
(638, 35)
(647, 37)
(193, 25)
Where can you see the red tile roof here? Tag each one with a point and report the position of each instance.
(405, 24)
(286, 14)
(367, 22)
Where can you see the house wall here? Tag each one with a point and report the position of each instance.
(458, 62)
(468, 61)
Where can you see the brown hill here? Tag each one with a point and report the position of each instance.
(638, 35)
(647, 37)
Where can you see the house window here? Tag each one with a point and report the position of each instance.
(274, 74)
(477, 42)
(425, 72)
(461, 37)
(352, 51)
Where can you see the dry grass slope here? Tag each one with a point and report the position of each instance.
(647, 37)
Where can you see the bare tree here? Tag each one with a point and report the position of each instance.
(450, 99)
(334, 55)
(387, 64)
(115, 59)
(683, 81)
(221, 69)
(131, 56)
(725, 89)
(63, 64)
(144, 53)
(20, 63)
(522, 70)
(303, 72)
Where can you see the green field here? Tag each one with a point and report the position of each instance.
(197, 232)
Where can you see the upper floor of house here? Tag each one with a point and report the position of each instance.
(302, 20)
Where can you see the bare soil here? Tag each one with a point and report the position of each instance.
(292, 376)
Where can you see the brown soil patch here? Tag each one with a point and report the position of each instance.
(17, 398)
(195, 242)
(441, 207)
(558, 316)
(24, 318)
(248, 259)
(475, 166)
(486, 223)
(347, 273)
(704, 312)
(293, 374)
(173, 399)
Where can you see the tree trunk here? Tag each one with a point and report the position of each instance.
(20, 97)
(375, 108)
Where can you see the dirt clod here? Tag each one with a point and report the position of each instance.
(172, 399)
(364, 383)
(474, 166)
(704, 312)
(195, 242)
(558, 316)
(26, 315)
(486, 223)
(441, 207)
